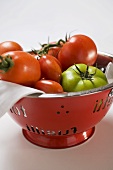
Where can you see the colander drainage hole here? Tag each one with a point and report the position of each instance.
(32, 128)
(62, 106)
(28, 127)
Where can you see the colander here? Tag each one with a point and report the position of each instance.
(63, 120)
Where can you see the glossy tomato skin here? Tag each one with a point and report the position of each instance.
(54, 51)
(73, 81)
(54, 48)
(26, 70)
(78, 49)
(7, 46)
(48, 86)
(58, 62)
(50, 68)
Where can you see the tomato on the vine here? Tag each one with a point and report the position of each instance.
(50, 68)
(54, 51)
(81, 77)
(7, 46)
(78, 49)
(51, 48)
(19, 67)
(48, 86)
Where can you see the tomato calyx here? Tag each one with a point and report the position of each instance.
(85, 75)
(6, 63)
(45, 47)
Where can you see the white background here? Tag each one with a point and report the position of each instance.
(30, 23)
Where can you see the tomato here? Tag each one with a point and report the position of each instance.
(51, 48)
(54, 51)
(20, 67)
(78, 49)
(58, 62)
(50, 68)
(81, 77)
(9, 46)
(48, 86)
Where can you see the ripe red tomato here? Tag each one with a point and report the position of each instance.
(9, 46)
(48, 86)
(51, 48)
(54, 51)
(58, 62)
(78, 49)
(25, 71)
(50, 68)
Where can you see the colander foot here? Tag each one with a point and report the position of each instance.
(58, 142)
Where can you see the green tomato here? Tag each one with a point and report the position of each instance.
(81, 77)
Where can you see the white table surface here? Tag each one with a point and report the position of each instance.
(28, 23)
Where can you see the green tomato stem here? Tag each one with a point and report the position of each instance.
(86, 74)
(6, 63)
(46, 47)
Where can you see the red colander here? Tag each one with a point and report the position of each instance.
(63, 120)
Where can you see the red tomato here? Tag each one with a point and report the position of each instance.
(58, 62)
(50, 69)
(78, 49)
(48, 86)
(9, 46)
(51, 48)
(54, 51)
(32, 53)
(25, 71)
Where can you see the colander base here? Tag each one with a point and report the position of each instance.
(58, 142)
